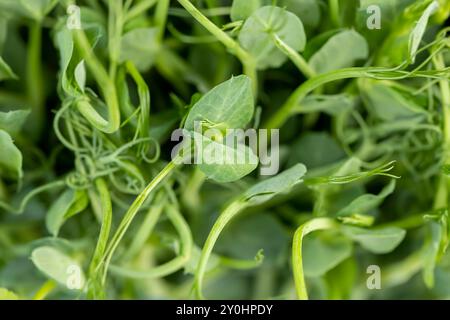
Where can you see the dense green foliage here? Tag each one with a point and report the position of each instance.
(93, 206)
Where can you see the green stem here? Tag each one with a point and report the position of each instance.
(115, 25)
(106, 85)
(29, 196)
(34, 80)
(246, 59)
(297, 258)
(240, 264)
(402, 271)
(173, 265)
(225, 217)
(95, 289)
(147, 226)
(139, 8)
(160, 19)
(334, 13)
(191, 193)
(283, 114)
(441, 198)
(144, 99)
(294, 56)
(280, 117)
(45, 290)
(410, 222)
(131, 213)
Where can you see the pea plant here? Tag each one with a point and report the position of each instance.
(97, 201)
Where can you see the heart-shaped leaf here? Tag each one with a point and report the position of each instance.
(379, 241)
(257, 35)
(229, 104)
(58, 266)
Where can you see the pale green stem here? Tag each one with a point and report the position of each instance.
(190, 196)
(29, 196)
(115, 25)
(144, 99)
(280, 117)
(45, 290)
(334, 12)
(225, 217)
(160, 19)
(240, 264)
(173, 265)
(295, 57)
(246, 59)
(139, 8)
(297, 257)
(441, 197)
(146, 228)
(293, 102)
(132, 212)
(106, 85)
(95, 290)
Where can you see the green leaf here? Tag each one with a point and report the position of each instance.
(251, 197)
(387, 103)
(80, 75)
(58, 266)
(419, 31)
(267, 189)
(367, 202)
(307, 10)
(140, 46)
(38, 9)
(64, 43)
(379, 241)
(34, 9)
(13, 121)
(5, 71)
(3, 31)
(340, 51)
(312, 146)
(321, 254)
(248, 234)
(223, 163)
(72, 67)
(341, 280)
(229, 104)
(257, 35)
(10, 157)
(5, 294)
(67, 205)
(242, 9)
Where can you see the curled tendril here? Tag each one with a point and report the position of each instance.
(75, 127)
(77, 181)
(145, 150)
(111, 157)
(23, 204)
(417, 146)
(383, 170)
(61, 113)
(133, 180)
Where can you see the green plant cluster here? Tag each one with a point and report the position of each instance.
(94, 206)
